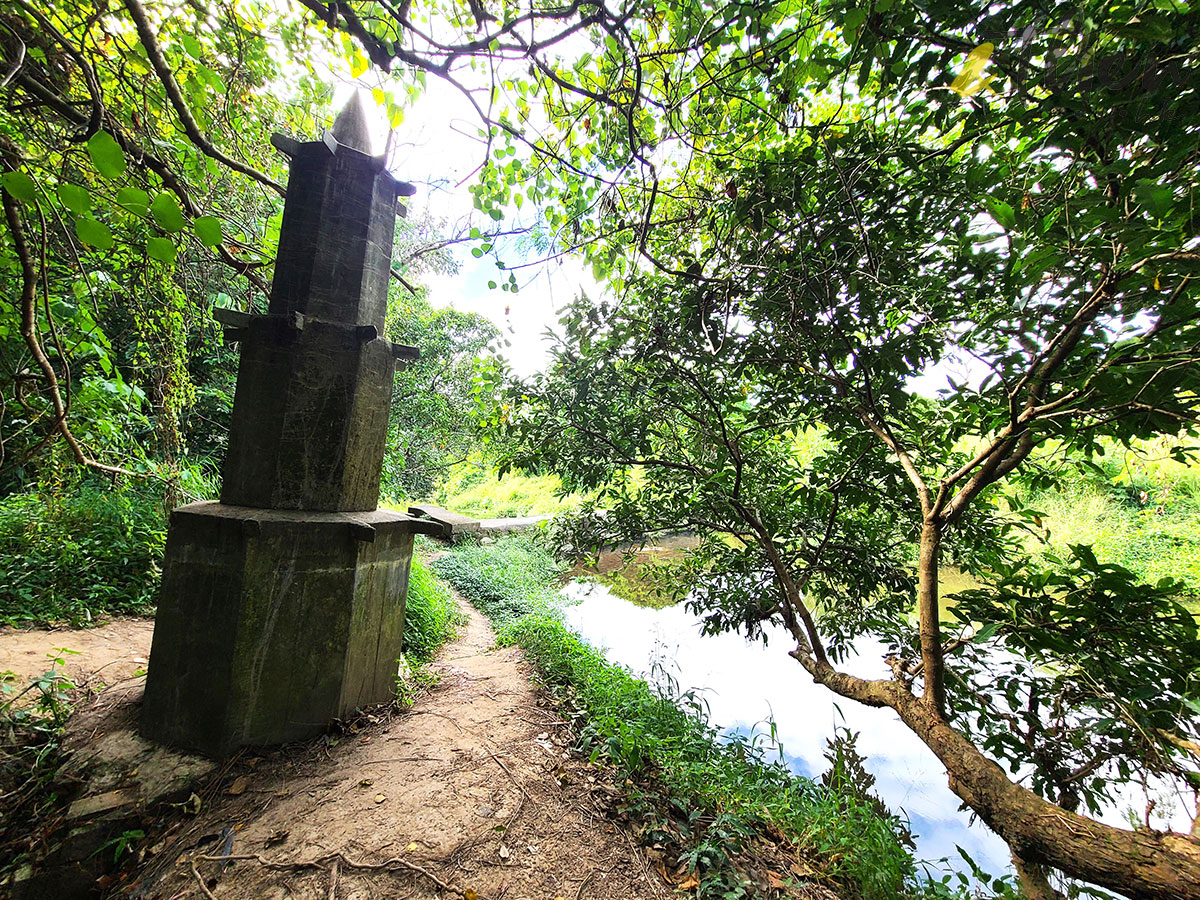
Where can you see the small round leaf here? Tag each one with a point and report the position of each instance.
(107, 155)
(134, 199)
(94, 233)
(75, 198)
(20, 185)
(161, 249)
(167, 213)
(208, 229)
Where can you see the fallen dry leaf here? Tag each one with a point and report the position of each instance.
(802, 871)
(379, 798)
(411, 847)
(239, 785)
(688, 884)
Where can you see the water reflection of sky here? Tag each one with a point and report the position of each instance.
(745, 685)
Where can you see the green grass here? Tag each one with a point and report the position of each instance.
(430, 616)
(723, 792)
(1142, 513)
(507, 580)
(473, 491)
(81, 552)
(431, 619)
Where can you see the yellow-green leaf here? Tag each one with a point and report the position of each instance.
(971, 81)
(191, 46)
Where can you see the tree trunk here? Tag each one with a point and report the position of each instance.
(1142, 864)
(1034, 883)
(932, 661)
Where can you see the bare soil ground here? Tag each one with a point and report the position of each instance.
(106, 655)
(472, 792)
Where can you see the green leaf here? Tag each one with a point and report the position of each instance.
(191, 46)
(134, 199)
(20, 185)
(208, 229)
(984, 633)
(161, 249)
(854, 20)
(1002, 213)
(94, 233)
(1155, 197)
(167, 213)
(75, 198)
(107, 155)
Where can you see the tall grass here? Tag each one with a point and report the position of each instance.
(476, 491)
(430, 616)
(1141, 510)
(81, 552)
(728, 789)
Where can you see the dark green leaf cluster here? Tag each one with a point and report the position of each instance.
(86, 552)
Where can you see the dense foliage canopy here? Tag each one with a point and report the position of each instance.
(799, 208)
(829, 203)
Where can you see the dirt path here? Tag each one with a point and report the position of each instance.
(108, 654)
(473, 785)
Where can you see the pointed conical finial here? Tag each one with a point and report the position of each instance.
(350, 127)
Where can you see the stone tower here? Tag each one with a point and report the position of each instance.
(282, 605)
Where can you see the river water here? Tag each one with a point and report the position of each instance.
(745, 685)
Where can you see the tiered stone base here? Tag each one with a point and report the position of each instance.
(273, 622)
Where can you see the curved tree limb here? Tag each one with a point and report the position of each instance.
(159, 63)
(29, 332)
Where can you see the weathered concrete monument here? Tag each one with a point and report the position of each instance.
(282, 605)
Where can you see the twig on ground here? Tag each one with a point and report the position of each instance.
(520, 786)
(586, 878)
(322, 861)
(425, 712)
(200, 880)
(333, 880)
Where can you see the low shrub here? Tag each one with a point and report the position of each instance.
(80, 552)
(505, 580)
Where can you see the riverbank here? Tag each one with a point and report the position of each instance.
(717, 800)
(591, 784)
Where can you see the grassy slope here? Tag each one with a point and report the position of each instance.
(1141, 511)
